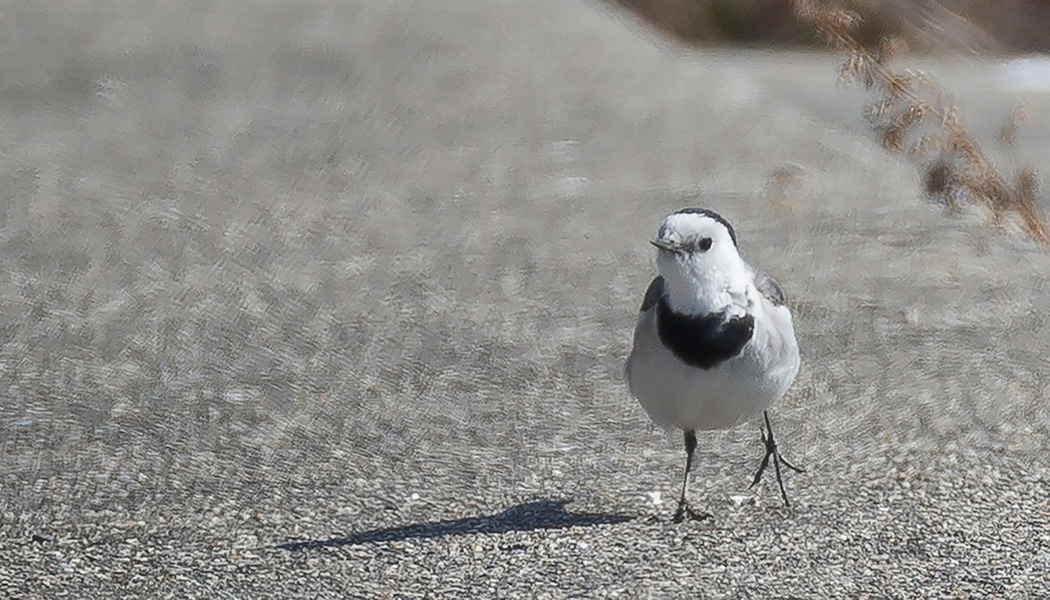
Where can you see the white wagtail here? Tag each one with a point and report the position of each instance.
(714, 343)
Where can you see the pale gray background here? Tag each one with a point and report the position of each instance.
(277, 273)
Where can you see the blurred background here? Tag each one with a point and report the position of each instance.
(328, 300)
(949, 26)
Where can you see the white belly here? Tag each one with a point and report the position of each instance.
(678, 395)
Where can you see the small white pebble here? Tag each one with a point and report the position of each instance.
(562, 151)
(912, 315)
(572, 186)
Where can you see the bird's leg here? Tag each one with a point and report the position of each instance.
(684, 510)
(771, 450)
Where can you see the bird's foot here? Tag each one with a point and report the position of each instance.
(772, 451)
(686, 512)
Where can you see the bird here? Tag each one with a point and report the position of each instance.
(714, 343)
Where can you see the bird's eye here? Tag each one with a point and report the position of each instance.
(704, 244)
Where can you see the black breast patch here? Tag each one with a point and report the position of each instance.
(702, 341)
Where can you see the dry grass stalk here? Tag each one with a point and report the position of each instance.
(913, 116)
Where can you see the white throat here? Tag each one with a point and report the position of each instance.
(697, 288)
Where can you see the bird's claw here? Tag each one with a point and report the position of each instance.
(773, 451)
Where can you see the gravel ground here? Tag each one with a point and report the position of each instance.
(321, 301)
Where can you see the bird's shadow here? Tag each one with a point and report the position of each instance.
(529, 516)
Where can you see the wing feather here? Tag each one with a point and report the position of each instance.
(653, 293)
(769, 287)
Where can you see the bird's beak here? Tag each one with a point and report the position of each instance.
(665, 245)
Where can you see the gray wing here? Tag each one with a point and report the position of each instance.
(768, 287)
(646, 315)
(653, 294)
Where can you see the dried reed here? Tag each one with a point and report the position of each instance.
(914, 116)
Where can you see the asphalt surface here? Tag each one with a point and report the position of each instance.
(310, 300)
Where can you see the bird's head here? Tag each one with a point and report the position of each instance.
(698, 259)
